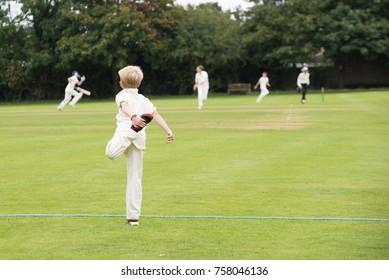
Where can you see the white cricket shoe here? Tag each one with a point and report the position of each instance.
(132, 222)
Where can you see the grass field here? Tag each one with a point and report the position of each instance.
(229, 187)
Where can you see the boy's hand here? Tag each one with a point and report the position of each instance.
(138, 123)
(169, 138)
(83, 78)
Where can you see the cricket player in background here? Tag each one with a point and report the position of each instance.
(130, 136)
(202, 85)
(263, 82)
(303, 82)
(72, 90)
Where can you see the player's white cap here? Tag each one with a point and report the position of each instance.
(305, 68)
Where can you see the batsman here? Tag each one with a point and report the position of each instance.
(73, 90)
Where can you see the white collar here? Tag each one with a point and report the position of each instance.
(130, 90)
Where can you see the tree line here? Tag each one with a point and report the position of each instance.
(48, 39)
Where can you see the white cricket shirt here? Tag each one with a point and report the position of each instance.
(201, 78)
(263, 81)
(303, 78)
(138, 104)
(72, 81)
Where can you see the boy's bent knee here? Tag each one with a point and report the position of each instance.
(116, 147)
(111, 154)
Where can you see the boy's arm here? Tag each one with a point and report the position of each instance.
(77, 83)
(195, 86)
(256, 85)
(136, 120)
(82, 79)
(162, 123)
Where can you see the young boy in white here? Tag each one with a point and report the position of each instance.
(201, 84)
(263, 82)
(131, 105)
(71, 90)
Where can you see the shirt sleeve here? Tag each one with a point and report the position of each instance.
(72, 80)
(152, 108)
(202, 78)
(120, 98)
(205, 76)
(298, 80)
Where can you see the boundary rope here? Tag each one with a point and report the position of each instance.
(204, 217)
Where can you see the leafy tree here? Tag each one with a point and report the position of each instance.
(50, 38)
(277, 35)
(43, 28)
(12, 57)
(281, 32)
(103, 36)
(27, 55)
(208, 36)
(354, 30)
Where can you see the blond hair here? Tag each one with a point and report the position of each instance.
(131, 76)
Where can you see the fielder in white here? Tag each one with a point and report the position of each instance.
(202, 85)
(131, 105)
(303, 83)
(263, 82)
(72, 90)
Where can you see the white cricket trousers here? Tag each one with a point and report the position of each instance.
(68, 97)
(202, 95)
(118, 145)
(262, 95)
